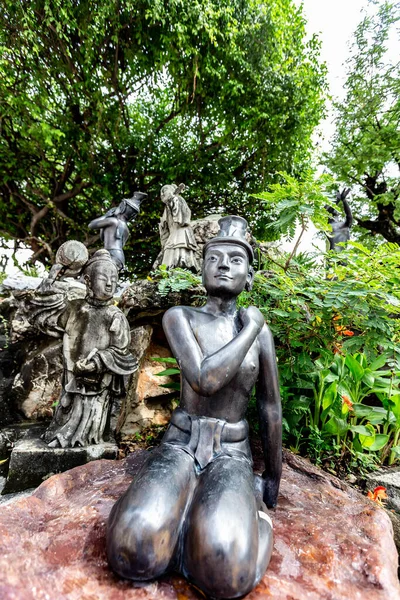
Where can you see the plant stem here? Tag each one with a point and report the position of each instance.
(303, 228)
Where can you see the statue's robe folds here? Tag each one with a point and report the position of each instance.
(88, 328)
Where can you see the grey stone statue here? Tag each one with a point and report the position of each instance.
(96, 355)
(195, 506)
(340, 228)
(113, 226)
(178, 244)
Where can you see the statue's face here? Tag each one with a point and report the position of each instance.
(167, 191)
(226, 270)
(130, 212)
(102, 281)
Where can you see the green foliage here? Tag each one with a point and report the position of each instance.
(337, 332)
(173, 385)
(175, 280)
(297, 201)
(366, 147)
(100, 99)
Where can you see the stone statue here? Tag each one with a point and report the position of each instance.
(96, 354)
(113, 226)
(196, 506)
(340, 228)
(178, 245)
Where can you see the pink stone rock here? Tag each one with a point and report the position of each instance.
(331, 543)
(149, 382)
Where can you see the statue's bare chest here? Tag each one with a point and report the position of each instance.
(212, 335)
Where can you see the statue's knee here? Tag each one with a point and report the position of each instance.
(137, 549)
(222, 561)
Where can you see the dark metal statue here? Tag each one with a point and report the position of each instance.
(113, 226)
(340, 228)
(196, 506)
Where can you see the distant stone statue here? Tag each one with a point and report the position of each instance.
(340, 227)
(196, 506)
(113, 226)
(178, 244)
(96, 355)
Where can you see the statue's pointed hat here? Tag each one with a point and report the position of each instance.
(136, 199)
(232, 230)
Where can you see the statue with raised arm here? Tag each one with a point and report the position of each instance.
(340, 227)
(96, 355)
(195, 506)
(178, 244)
(113, 226)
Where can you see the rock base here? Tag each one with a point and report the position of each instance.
(331, 543)
(32, 461)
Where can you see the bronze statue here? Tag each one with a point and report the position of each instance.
(178, 245)
(113, 226)
(340, 228)
(96, 339)
(194, 506)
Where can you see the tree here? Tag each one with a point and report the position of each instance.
(366, 146)
(99, 100)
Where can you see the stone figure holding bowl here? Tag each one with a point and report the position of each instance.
(96, 355)
(195, 506)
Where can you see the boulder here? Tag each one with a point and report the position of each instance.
(331, 543)
(20, 282)
(146, 402)
(37, 386)
(142, 300)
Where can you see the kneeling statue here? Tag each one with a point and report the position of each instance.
(195, 506)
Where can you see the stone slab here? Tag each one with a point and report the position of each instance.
(331, 543)
(32, 460)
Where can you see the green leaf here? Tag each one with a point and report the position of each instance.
(396, 450)
(336, 426)
(354, 367)
(379, 363)
(380, 441)
(167, 359)
(329, 396)
(167, 372)
(172, 386)
(368, 378)
(361, 410)
(361, 429)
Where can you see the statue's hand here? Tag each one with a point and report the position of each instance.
(271, 489)
(85, 366)
(47, 284)
(252, 316)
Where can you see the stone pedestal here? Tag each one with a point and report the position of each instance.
(32, 461)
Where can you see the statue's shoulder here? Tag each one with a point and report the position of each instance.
(178, 313)
(116, 313)
(118, 321)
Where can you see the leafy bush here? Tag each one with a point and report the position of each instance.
(337, 333)
(175, 280)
